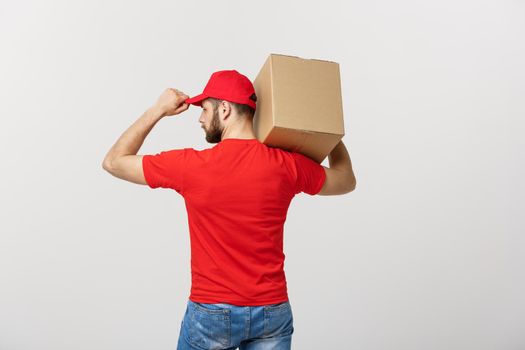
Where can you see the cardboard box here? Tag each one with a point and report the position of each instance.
(299, 105)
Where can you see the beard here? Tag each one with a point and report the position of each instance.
(214, 134)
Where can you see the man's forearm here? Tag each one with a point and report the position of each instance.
(340, 159)
(133, 138)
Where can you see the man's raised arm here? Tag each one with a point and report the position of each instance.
(122, 160)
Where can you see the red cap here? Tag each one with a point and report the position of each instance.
(228, 85)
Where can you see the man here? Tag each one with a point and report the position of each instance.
(237, 195)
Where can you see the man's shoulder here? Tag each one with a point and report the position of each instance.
(285, 153)
(194, 154)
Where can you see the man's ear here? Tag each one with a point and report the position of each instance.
(225, 108)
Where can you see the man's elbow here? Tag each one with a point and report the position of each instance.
(351, 185)
(106, 165)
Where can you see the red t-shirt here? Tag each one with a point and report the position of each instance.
(237, 195)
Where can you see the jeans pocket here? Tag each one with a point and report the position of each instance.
(210, 326)
(278, 320)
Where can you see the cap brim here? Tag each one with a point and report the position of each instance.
(196, 100)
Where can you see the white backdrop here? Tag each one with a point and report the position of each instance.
(426, 253)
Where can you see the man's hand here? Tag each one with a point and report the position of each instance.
(171, 102)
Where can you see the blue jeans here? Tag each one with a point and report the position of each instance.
(228, 327)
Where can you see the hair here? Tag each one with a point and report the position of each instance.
(242, 109)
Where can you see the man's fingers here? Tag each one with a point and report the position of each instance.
(175, 101)
(182, 108)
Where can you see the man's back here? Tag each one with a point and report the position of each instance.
(237, 194)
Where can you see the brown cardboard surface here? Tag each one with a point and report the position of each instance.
(299, 105)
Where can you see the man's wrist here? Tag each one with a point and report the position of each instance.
(155, 112)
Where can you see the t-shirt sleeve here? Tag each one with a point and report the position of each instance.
(310, 175)
(165, 169)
